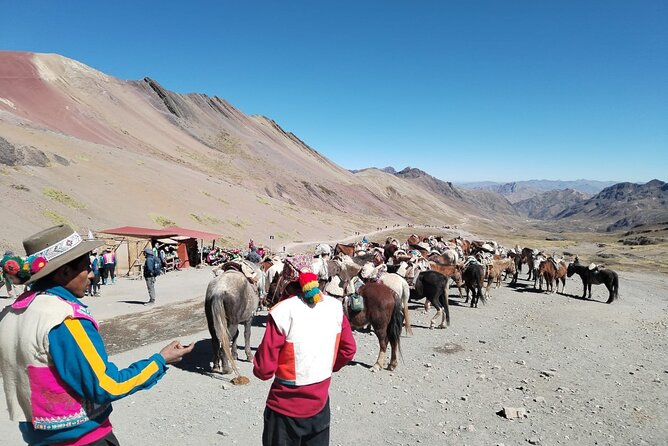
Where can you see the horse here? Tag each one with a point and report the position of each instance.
(382, 309)
(341, 248)
(549, 271)
(433, 286)
(388, 250)
(589, 277)
(473, 275)
(528, 256)
(453, 272)
(230, 301)
(517, 259)
(283, 285)
(346, 269)
(496, 270)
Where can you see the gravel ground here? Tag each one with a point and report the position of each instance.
(585, 372)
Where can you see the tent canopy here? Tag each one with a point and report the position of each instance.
(191, 233)
(169, 232)
(135, 231)
(168, 241)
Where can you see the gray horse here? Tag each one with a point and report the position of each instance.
(230, 301)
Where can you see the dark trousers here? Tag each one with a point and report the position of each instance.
(110, 270)
(282, 430)
(108, 440)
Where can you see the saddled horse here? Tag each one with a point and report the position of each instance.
(382, 309)
(230, 301)
(549, 271)
(346, 269)
(283, 285)
(597, 276)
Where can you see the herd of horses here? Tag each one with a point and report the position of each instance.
(384, 287)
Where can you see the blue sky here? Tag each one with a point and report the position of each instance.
(465, 90)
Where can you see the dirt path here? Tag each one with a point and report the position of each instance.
(586, 373)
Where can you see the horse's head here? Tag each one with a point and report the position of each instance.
(571, 269)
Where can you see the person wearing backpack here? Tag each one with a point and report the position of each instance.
(151, 271)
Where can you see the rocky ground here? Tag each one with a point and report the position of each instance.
(583, 372)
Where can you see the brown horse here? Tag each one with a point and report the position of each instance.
(283, 285)
(548, 271)
(382, 309)
(453, 272)
(341, 248)
(527, 258)
(496, 270)
(413, 239)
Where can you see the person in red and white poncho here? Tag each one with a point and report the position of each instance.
(307, 338)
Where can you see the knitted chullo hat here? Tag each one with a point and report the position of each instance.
(309, 284)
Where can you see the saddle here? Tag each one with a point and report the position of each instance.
(242, 267)
(354, 300)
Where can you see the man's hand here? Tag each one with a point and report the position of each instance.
(174, 351)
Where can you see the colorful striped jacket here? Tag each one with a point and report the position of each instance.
(60, 388)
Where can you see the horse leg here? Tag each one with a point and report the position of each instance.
(442, 324)
(217, 355)
(439, 311)
(247, 336)
(589, 289)
(407, 321)
(393, 357)
(234, 334)
(382, 342)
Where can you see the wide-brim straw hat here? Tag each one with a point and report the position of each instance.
(59, 245)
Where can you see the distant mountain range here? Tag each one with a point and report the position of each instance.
(522, 190)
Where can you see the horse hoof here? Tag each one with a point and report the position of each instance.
(227, 370)
(249, 358)
(441, 326)
(376, 368)
(217, 370)
(391, 367)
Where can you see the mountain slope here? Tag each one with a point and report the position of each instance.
(548, 205)
(623, 205)
(82, 147)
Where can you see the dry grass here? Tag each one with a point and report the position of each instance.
(63, 198)
(161, 220)
(56, 218)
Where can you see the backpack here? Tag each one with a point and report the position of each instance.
(156, 266)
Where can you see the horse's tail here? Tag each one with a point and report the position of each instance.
(614, 288)
(218, 323)
(395, 325)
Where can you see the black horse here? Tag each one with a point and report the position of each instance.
(432, 285)
(596, 276)
(473, 275)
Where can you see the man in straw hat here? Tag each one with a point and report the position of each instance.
(58, 380)
(307, 338)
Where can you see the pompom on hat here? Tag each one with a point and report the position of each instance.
(47, 251)
(309, 283)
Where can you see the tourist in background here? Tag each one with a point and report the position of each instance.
(109, 258)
